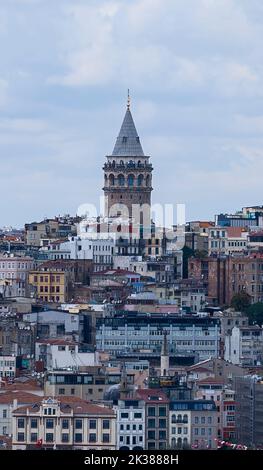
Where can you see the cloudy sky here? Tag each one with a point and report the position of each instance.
(195, 71)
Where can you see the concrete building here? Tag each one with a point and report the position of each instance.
(64, 424)
(227, 240)
(156, 418)
(14, 272)
(223, 277)
(130, 421)
(244, 346)
(88, 383)
(62, 353)
(7, 366)
(37, 233)
(249, 411)
(51, 286)
(193, 424)
(97, 250)
(144, 331)
(9, 401)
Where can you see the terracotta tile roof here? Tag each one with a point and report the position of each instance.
(235, 232)
(67, 404)
(211, 380)
(19, 395)
(57, 341)
(152, 396)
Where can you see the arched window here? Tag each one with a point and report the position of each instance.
(121, 180)
(121, 163)
(130, 180)
(140, 180)
(139, 163)
(148, 180)
(111, 180)
(173, 418)
(106, 180)
(179, 442)
(113, 163)
(179, 419)
(173, 442)
(185, 419)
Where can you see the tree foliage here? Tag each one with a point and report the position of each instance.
(241, 301)
(255, 313)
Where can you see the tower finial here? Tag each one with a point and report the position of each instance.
(128, 99)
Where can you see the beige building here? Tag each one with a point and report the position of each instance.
(50, 286)
(64, 424)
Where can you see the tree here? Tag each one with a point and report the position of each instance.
(255, 313)
(241, 301)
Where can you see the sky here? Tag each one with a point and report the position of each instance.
(195, 73)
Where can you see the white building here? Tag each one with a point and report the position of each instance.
(66, 423)
(244, 346)
(60, 353)
(7, 366)
(130, 424)
(193, 300)
(9, 401)
(14, 272)
(227, 240)
(98, 250)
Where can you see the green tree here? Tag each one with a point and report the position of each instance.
(255, 313)
(241, 301)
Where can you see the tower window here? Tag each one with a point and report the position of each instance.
(124, 140)
(140, 180)
(121, 180)
(130, 180)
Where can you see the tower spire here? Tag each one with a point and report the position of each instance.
(128, 99)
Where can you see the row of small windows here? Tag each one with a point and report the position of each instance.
(64, 437)
(49, 423)
(120, 180)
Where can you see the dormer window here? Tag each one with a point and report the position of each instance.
(124, 140)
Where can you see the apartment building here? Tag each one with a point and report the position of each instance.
(225, 276)
(156, 418)
(51, 286)
(64, 424)
(249, 410)
(193, 424)
(14, 271)
(136, 331)
(130, 424)
(88, 383)
(244, 346)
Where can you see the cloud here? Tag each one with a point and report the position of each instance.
(196, 79)
(3, 91)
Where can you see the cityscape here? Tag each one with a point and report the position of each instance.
(120, 342)
(131, 231)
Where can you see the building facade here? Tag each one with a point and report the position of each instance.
(59, 424)
(135, 332)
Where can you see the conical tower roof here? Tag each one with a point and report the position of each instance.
(128, 142)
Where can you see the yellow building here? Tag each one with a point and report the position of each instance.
(50, 286)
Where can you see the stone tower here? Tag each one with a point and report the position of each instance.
(127, 172)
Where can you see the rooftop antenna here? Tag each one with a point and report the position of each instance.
(128, 99)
